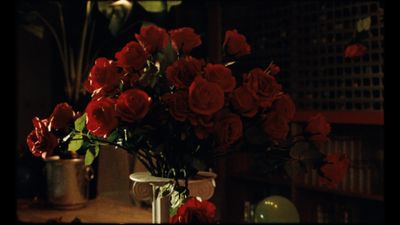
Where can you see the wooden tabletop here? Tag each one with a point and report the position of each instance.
(103, 209)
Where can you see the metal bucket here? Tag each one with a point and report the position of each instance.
(67, 182)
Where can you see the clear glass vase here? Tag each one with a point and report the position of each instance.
(145, 186)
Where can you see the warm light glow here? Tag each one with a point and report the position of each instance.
(158, 6)
(125, 3)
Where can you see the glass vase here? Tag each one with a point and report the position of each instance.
(145, 187)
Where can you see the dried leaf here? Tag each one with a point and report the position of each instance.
(293, 168)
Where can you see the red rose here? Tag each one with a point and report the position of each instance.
(184, 39)
(205, 98)
(62, 116)
(101, 116)
(235, 44)
(275, 126)
(334, 169)
(177, 104)
(40, 141)
(262, 86)
(203, 125)
(103, 76)
(319, 128)
(274, 69)
(195, 211)
(202, 132)
(152, 38)
(244, 102)
(133, 105)
(284, 105)
(355, 50)
(201, 120)
(132, 57)
(228, 129)
(218, 73)
(131, 79)
(182, 72)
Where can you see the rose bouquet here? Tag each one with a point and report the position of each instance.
(177, 113)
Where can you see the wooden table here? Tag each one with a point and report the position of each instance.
(103, 209)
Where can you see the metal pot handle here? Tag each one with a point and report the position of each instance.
(89, 173)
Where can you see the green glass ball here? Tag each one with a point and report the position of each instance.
(276, 209)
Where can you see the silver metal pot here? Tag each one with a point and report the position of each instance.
(67, 182)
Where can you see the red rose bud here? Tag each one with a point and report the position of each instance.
(104, 76)
(284, 105)
(132, 57)
(219, 74)
(205, 98)
(243, 102)
(263, 87)
(40, 141)
(182, 72)
(184, 39)
(62, 116)
(101, 117)
(195, 211)
(152, 38)
(355, 50)
(334, 170)
(319, 128)
(275, 126)
(228, 129)
(274, 69)
(235, 44)
(133, 105)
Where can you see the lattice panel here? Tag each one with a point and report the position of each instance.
(307, 39)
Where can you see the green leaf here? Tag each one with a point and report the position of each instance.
(167, 56)
(165, 190)
(75, 143)
(176, 201)
(96, 149)
(80, 123)
(113, 135)
(89, 157)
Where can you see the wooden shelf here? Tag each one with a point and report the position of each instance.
(258, 179)
(379, 198)
(345, 117)
(282, 181)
